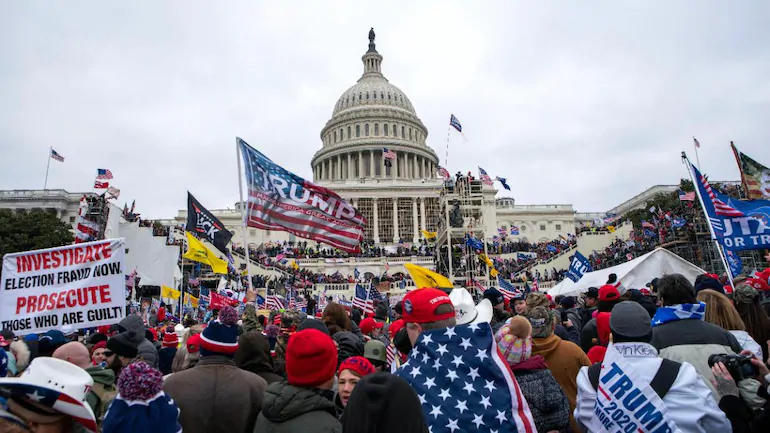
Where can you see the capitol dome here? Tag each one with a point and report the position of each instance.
(372, 117)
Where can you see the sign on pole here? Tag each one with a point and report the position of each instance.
(82, 285)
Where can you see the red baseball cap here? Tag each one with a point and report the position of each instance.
(608, 292)
(369, 324)
(420, 306)
(395, 327)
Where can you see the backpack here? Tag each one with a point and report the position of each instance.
(105, 394)
(662, 382)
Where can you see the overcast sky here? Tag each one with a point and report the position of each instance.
(588, 103)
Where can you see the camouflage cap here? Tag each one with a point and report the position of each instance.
(535, 299)
(542, 321)
(289, 319)
(744, 294)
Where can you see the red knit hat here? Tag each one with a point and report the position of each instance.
(420, 306)
(369, 324)
(194, 343)
(608, 292)
(311, 358)
(170, 339)
(596, 354)
(358, 365)
(99, 345)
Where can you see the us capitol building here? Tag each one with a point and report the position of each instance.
(397, 200)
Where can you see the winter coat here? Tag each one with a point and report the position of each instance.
(546, 399)
(349, 345)
(586, 314)
(216, 396)
(574, 316)
(251, 322)
(748, 343)
(564, 360)
(356, 330)
(589, 335)
(688, 401)
(568, 334)
(147, 351)
(165, 359)
(290, 409)
(102, 393)
(253, 355)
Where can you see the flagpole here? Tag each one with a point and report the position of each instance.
(695, 145)
(243, 215)
(708, 220)
(181, 285)
(47, 167)
(448, 139)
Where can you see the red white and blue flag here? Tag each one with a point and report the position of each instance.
(508, 290)
(103, 173)
(388, 154)
(463, 383)
(485, 179)
(274, 302)
(364, 299)
(282, 201)
(443, 172)
(55, 155)
(101, 185)
(454, 123)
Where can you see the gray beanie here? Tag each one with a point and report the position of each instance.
(630, 321)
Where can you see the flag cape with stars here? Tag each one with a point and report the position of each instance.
(463, 384)
(282, 201)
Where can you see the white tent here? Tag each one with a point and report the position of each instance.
(633, 274)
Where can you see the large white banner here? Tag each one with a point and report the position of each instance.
(82, 285)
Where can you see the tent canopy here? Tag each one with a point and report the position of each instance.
(633, 274)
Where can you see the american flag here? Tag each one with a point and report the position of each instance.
(388, 154)
(648, 225)
(443, 172)
(508, 290)
(485, 179)
(479, 287)
(309, 211)
(696, 142)
(501, 230)
(55, 155)
(536, 284)
(475, 391)
(454, 123)
(390, 354)
(720, 207)
(103, 173)
(364, 299)
(514, 231)
(686, 196)
(274, 302)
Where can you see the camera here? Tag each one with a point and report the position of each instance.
(739, 366)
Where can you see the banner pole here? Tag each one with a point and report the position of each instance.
(448, 139)
(47, 167)
(708, 220)
(243, 214)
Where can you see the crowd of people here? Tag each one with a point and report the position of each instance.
(690, 356)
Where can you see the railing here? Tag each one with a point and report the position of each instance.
(365, 260)
(261, 266)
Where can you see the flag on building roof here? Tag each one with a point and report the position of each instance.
(686, 196)
(388, 154)
(282, 201)
(696, 142)
(475, 390)
(103, 173)
(485, 179)
(454, 123)
(55, 155)
(443, 172)
(755, 176)
(101, 185)
(503, 182)
(113, 192)
(508, 290)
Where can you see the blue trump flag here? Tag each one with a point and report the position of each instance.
(474, 243)
(734, 262)
(737, 225)
(578, 267)
(463, 383)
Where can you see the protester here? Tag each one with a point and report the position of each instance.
(103, 391)
(253, 355)
(499, 315)
(50, 341)
(250, 319)
(590, 301)
(288, 321)
(141, 405)
(20, 354)
(188, 355)
(168, 350)
(121, 350)
(564, 358)
(48, 381)
(688, 402)
(545, 398)
(374, 329)
(147, 350)
(721, 312)
(376, 352)
(757, 323)
(348, 374)
(742, 417)
(608, 296)
(564, 330)
(382, 403)
(336, 318)
(680, 333)
(567, 305)
(304, 402)
(216, 375)
(97, 353)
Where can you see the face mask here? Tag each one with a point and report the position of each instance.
(401, 341)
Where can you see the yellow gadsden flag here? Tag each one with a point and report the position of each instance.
(429, 235)
(169, 293)
(198, 252)
(426, 278)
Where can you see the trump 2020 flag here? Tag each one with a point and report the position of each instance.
(205, 224)
(281, 200)
(463, 384)
(579, 266)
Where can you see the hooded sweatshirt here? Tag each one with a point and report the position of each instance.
(564, 360)
(253, 355)
(290, 409)
(147, 350)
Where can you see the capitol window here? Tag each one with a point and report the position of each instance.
(335, 136)
(376, 129)
(374, 95)
(367, 96)
(358, 130)
(360, 96)
(389, 96)
(341, 136)
(542, 227)
(348, 132)
(385, 129)
(366, 130)
(403, 132)
(558, 226)
(410, 133)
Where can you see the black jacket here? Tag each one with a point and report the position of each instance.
(290, 409)
(589, 335)
(253, 355)
(383, 403)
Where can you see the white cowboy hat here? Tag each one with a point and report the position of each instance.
(466, 312)
(58, 385)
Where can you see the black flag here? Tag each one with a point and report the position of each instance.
(201, 222)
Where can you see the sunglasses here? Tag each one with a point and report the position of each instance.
(108, 353)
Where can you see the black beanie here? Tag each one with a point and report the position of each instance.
(313, 324)
(122, 344)
(387, 400)
(97, 338)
